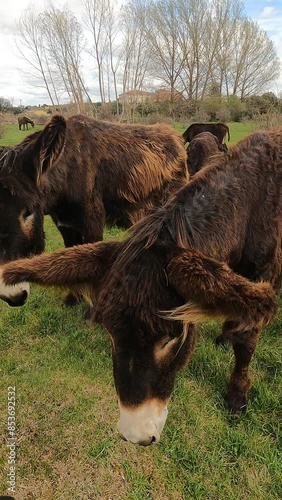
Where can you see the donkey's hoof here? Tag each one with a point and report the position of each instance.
(237, 405)
(222, 341)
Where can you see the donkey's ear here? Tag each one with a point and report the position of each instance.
(211, 289)
(42, 151)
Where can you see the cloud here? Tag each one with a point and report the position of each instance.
(14, 84)
(268, 12)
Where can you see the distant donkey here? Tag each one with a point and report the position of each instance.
(24, 120)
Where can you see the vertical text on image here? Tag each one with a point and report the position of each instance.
(11, 440)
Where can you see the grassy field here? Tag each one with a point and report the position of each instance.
(13, 135)
(66, 412)
(237, 131)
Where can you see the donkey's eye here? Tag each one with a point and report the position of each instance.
(164, 348)
(169, 342)
(26, 213)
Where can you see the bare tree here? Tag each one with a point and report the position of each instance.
(255, 62)
(192, 38)
(65, 41)
(222, 18)
(190, 46)
(96, 15)
(32, 49)
(115, 50)
(135, 49)
(199, 44)
(163, 32)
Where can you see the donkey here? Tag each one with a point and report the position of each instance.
(213, 250)
(200, 150)
(219, 130)
(24, 121)
(21, 167)
(85, 173)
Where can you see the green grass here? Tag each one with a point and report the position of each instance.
(67, 442)
(12, 135)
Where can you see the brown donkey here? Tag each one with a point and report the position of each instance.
(84, 173)
(219, 130)
(200, 150)
(21, 167)
(205, 254)
(23, 121)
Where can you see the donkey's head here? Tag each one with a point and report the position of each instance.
(21, 167)
(132, 288)
(147, 348)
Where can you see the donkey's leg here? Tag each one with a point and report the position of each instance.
(70, 236)
(93, 227)
(94, 219)
(244, 344)
(89, 230)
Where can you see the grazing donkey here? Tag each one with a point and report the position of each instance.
(204, 254)
(219, 130)
(200, 150)
(105, 173)
(21, 227)
(85, 173)
(24, 121)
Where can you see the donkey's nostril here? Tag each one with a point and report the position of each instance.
(153, 439)
(18, 300)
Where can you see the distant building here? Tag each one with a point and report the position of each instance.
(134, 97)
(163, 94)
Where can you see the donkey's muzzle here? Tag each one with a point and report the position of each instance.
(18, 300)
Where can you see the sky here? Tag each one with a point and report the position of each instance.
(13, 84)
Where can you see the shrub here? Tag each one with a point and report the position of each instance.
(236, 108)
(264, 121)
(2, 130)
(201, 116)
(223, 115)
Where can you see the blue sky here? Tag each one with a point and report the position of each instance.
(254, 8)
(268, 13)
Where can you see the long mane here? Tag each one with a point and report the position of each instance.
(9, 154)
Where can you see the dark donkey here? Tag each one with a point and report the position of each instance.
(202, 255)
(219, 130)
(202, 147)
(111, 173)
(23, 121)
(105, 172)
(21, 227)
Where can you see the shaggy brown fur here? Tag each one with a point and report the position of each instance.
(219, 130)
(200, 150)
(195, 256)
(105, 173)
(111, 172)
